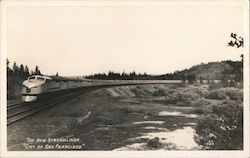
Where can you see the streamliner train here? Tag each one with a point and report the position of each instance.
(37, 85)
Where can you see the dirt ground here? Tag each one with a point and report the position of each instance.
(105, 120)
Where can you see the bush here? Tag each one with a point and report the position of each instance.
(221, 129)
(200, 102)
(187, 97)
(227, 93)
(172, 98)
(182, 97)
(218, 94)
(203, 92)
(202, 106)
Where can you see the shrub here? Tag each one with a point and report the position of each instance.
(202, 106)
(234, 93)
(172, 98)
(203, 109)
(227, 93)
(203, 92)
(218, 94)
(200, 102)
(221, 129)
(188, 97)
(182, 97)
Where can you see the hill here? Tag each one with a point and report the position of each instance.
(224, 70)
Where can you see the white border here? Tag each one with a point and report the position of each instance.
(3, 85)
(108, 154)
(246, 78)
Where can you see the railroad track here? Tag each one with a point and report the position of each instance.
(16, 105)
(14, 102)
(16, 112)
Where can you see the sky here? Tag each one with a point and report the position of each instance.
(82, 40)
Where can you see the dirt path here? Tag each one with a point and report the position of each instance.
(108, 123)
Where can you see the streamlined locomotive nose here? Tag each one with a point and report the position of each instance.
(32, 87)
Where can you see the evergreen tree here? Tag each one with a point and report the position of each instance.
(9, 71)
(21, 70)
(8, 62)
(191, 78)
(201, 80)
(37, 71)
(26, 71)
(15, 68)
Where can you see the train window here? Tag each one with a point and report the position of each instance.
(40, 78)
(31, 78)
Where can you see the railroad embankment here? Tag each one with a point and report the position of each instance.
(150, 90)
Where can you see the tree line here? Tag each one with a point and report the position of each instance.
(21, 70)
(111, 75)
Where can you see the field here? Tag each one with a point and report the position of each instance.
(143, 117)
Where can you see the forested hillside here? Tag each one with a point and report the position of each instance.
(224, 70)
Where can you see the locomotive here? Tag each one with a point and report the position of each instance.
(37, 86)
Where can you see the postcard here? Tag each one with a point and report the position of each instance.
(125, 78)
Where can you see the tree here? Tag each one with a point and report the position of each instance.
(37, 71)
(132, 75)
(15, 68)
(8, 62)
(191, 78)
(26, 71)
(57, 74)
(201, 80)
(238, 42)
(21, 70)
(9, 71)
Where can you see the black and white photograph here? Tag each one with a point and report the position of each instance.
(125, 78)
